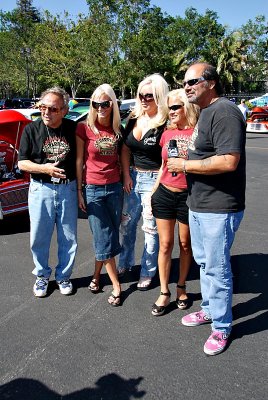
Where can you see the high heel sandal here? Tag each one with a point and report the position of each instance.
(182, 304)
(159, 310)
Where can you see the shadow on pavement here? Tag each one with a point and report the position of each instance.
(250, 276)
(108, 387)
(13, 224)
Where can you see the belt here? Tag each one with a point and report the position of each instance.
(60, 182)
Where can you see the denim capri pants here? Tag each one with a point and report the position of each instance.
(104, 210)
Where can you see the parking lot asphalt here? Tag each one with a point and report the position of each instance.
(80, 348)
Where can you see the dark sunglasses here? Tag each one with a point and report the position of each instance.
(44, 108)
(146, 97)
(103, 104)
(192, 82)
(175, 107)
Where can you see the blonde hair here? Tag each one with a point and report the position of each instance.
(115, 115)
(160, 91)
(191, 111)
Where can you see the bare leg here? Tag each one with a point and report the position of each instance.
(185, 258)
(166, 241)
(111, 270)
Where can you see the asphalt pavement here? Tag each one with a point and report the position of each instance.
(78, 347)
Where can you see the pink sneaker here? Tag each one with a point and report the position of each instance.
(216, 343)
(195, 319)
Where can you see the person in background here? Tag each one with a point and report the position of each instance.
(98, 139)
(141, 160)
(243, 108)
(216, 180)
(48, 152)
(169, 201)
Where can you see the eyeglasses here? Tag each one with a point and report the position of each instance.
(146, 97)
(192, 82)
(44, 108)
(175, 107)
(103, 104)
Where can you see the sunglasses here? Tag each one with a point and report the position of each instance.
(44, 108)
(192, 82)
(103, 104)
(175, 107)
(146, 97)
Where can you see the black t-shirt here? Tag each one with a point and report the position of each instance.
(146, 152)
(220, 130)
(41, 144)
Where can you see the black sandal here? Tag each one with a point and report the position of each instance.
(94, 286)
(116, 300)
(182, 304)
(159, 310)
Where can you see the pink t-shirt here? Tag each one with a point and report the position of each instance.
(101, 155)
(183, 138)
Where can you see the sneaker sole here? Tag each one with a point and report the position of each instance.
(195, 324)
(36, 295)
(214, 353)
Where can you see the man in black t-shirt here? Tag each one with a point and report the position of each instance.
(48, 153)
(216, 181)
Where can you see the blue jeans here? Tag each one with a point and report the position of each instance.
(51, 205)
(104, 209)
(138, 203)
(212, 236)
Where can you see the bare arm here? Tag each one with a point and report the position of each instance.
(158, 177)
(125, 162)
(80, 148)
(48, 168)
(209, 166)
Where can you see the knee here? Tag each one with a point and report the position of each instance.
(166, 247)
(185, 247)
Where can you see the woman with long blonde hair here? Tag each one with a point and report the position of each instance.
(98, 167)
(169, 200)
(141, 160)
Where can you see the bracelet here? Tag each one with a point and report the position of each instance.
(184, 167)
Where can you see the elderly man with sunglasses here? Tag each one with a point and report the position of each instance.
(216, 183)
(48, 153)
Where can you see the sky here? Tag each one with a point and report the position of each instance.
(233, 13)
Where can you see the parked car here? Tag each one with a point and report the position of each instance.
(14, 185)
(5, 104)
(258, 120)
(126, 106)
(16, 102)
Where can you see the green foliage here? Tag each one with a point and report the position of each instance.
(120, 42)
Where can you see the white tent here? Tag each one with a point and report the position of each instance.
(260, 101)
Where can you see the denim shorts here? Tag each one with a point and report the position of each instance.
(104, 210)
(170, 205)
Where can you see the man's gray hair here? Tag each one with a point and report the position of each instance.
(59, 92)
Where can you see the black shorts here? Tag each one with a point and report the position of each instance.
(170, 205)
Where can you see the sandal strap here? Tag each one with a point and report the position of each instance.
(168, 294)
(115, 297)
(181, 286)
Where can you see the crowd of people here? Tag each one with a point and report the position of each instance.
(179, 162)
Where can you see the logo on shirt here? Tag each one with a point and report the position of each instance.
(193, 138)
(150, 141)
(56, 148)
(106, 145)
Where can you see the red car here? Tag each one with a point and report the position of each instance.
(258, 120)
(14, 185)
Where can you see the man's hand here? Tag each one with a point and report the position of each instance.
(53, 170)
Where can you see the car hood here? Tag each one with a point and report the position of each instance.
(12, 124)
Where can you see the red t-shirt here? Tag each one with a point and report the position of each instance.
(101, 154)
(183, 138)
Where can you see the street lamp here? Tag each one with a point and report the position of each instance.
(26, 52)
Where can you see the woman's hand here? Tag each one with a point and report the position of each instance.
(128, 184)
(81, 201)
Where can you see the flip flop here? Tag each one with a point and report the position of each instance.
(94, 286)
(144, 283)
(115, 301)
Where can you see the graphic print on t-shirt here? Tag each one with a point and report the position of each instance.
(106, 145)
(56, 148)
(193, 138)
(182, 145)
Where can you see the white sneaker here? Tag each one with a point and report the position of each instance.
(40, 286)
(65, 286)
